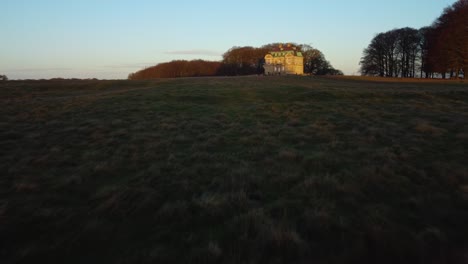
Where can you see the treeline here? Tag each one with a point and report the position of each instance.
(236, 61)
(178, 68)
(315, 62)
(3, 78)
(243, 61)
(441, 48)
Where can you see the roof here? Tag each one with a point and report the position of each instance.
(283, 50)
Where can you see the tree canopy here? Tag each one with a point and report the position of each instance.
(178, 68)
(236, 61)
(440, 48)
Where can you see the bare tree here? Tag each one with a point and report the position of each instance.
(408, 50)
(426, 36)
(380, 57)
(394, 53)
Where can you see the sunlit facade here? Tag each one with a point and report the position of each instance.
(284, 60)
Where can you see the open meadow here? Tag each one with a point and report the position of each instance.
(234, 170)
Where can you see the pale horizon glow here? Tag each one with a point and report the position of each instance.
(108, 39)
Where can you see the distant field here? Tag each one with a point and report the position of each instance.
(234, 170)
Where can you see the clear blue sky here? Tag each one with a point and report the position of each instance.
(108, 39)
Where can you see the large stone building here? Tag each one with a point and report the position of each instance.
(284, 60)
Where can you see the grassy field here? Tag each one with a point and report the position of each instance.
(234, 170)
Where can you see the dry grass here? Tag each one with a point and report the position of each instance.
(426, 128)
(233, 170)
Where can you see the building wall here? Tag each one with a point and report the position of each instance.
(278, 65)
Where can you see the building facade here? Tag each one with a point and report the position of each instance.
(284, 60)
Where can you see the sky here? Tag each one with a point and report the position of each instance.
(108, 39)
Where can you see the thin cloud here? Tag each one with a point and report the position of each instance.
(40, 69)
(201, 52)
(129, 65)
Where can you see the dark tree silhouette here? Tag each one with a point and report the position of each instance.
(426, 35)
(379, 58)
(441, 48)
(243, 61)
(315, 62)
(408, 47)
